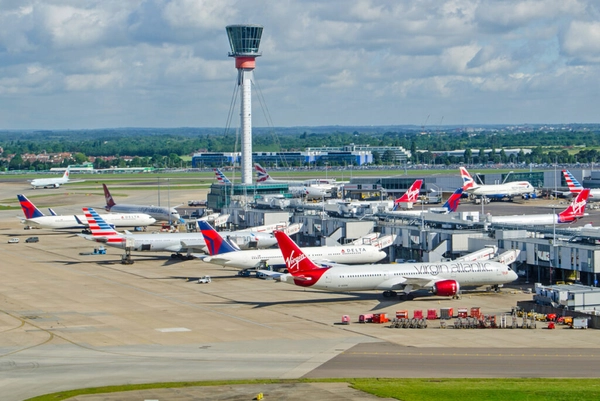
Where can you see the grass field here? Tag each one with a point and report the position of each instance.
(407, 389)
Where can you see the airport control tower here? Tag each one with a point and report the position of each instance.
(244, 41)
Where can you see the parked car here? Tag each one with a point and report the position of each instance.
(32, 239)
(204, 280)
(13, 241)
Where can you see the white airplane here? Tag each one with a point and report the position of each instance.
(575, 187)
(224, 254)
(35, 218)
(158, 212)
(176, 243)
(574, 211)
(53, 182)
(497, 191)
(299, 189)
(442, 278)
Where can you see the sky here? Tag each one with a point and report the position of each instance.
(87, 64)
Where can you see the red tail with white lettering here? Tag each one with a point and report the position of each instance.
(295, 260)
(109, 200)
(412, 194)
(576, 209)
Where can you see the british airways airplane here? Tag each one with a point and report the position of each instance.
(498, 191)
(442, 278)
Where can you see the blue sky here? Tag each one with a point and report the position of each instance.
(163, 63)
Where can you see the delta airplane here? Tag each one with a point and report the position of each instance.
(496, 191)
(574, 211)
(221, 178)
(451, 205)
(575, 187)
(53, 182)
(298, 189)
(224, 254)
(35, 218)
(443, 278)
(158, 212)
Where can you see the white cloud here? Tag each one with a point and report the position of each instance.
(142, 62)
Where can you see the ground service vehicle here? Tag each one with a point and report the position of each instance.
(204, 280)
(32, 239)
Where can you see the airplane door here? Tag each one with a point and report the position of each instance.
(386, 274)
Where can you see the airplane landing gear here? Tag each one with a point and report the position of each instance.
(389, 294)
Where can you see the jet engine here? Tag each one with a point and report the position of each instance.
(446, 288)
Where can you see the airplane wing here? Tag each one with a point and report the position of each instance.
(398, 283)
(199, 245)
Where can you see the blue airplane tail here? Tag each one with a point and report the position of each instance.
(452, 203)
(215, 243)
(29, 209)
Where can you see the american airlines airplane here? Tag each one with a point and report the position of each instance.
(35, 218)
(575, 187)
(177, 243)
(573, 212)
(52, 182)
(224, 254)
(299, 189)
(498, 191)
(442, 278)
(158, 212)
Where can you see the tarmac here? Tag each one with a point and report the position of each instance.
(73, 321)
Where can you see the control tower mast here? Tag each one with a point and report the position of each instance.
(244, 41)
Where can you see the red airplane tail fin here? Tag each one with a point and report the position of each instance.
(576, 209)
(295, 259)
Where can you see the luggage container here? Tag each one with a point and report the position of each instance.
(462, 312)
(402, 314)
(418, 314)
(580, 323)
(367, 318)
(345, 319)
(446, 313)
(432, 314)
(476, 312)
(380, 318)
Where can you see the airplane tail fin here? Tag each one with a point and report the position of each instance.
(261, 173)
(101, 230)
(468, 181)
(214, 242)
(221, 178)
(29, 209)
(411, 195)
(574, 186)
(296, 261)
(452, 203)
(109, 199)
(576, 209)
(66, 174)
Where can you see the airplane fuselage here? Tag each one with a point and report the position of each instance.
(395, 276)
(67, 222)
(158, 212)
(503, 190)
(336, 254)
